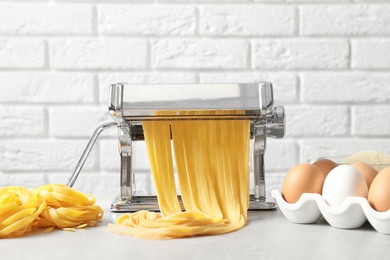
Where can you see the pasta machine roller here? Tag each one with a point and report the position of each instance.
(130, 105)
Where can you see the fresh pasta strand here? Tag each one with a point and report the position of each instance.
(50, 206)
(158, 141)
(212, 161)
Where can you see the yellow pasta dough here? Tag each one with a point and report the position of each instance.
(212, 161)
(50, 206)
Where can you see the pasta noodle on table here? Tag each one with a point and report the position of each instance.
(212, 161)
(49, 206)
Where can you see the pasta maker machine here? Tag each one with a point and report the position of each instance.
(130, 105)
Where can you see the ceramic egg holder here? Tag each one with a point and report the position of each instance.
(351, 214)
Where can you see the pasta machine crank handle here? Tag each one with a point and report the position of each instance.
(87, 150)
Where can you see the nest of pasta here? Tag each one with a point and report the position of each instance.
(50, 206)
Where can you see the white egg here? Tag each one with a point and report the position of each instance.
(341, 182)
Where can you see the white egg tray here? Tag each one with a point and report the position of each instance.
(352, 213)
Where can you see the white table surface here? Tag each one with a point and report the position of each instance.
(268, 235)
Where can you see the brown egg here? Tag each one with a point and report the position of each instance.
(379, 192)
(366, 170)
(325, 165)
(303, 178)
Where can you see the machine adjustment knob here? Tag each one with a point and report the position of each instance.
(276, 124)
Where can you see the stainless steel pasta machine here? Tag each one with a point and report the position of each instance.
(130, 105)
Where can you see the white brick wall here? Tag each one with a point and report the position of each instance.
(92, 53)
(247, 20)
(16, 53)
(371, 53)
(300, 53)
(44, 18)
(146, 20)
(329, 61)
(362, 19)
(199, 54)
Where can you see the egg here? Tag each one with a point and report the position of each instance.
(368, 172)
(379, 192)
(342, 182)
(325, 165)
(303, 178)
